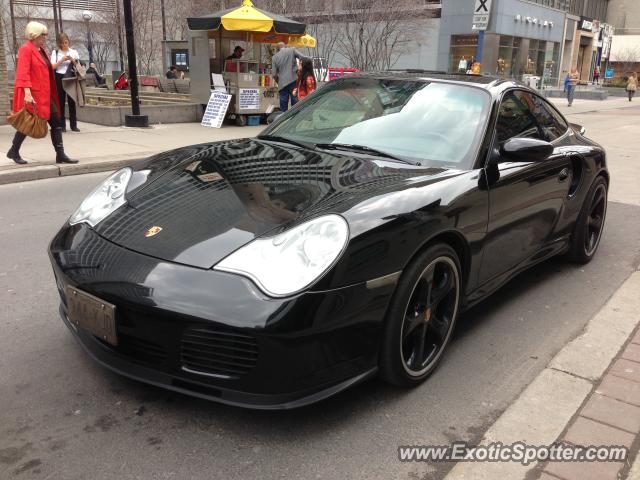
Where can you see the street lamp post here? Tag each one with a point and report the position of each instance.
(135, 120)
(87, 15)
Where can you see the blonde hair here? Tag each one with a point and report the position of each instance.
(34, 30)
(61, 38)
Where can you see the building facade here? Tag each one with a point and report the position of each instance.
(624, 16)
(540, 38)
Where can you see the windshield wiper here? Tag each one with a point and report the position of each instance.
(363, 149)
(277, 138)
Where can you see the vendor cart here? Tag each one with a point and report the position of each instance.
(248, 79)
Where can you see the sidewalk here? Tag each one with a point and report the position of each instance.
(585, 106)
(588, 395)
(100, 148)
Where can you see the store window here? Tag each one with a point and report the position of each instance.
(462, 52)
(509, 64)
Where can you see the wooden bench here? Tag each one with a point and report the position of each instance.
(167, 85)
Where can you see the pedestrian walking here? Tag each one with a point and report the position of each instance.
(596, 75)
(632, 85)
(285, 73)
(64, 59)
(571, 88)
(35, 85)
(306, 83)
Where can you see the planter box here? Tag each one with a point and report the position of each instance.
(114, 116)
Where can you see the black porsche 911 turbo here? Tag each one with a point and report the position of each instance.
(340, 244)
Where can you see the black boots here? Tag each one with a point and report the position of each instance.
(56, 139)
(14, 152)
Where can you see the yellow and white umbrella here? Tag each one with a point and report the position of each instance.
(247, 18)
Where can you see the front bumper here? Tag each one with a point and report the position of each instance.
(215, 335)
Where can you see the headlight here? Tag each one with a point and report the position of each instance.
(105, 199)
(290, 262)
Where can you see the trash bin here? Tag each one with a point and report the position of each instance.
(532, 81)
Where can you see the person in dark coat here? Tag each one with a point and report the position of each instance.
(35, 87)
(172, 73)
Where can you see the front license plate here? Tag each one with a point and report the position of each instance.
(92, 314)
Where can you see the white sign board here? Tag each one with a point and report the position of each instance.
(216, 110)
(481, 14)
(218, 83)
(249, 98)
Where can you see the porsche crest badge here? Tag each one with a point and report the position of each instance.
(153, 231)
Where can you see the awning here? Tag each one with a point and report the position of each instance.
(304, 41)
(625, 48)
(247, 18)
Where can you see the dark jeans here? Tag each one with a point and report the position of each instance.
(571, 90)
(285, 94)
(63, 97)
(631, 94)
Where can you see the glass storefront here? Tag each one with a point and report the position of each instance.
(508, 56)
(463, 51)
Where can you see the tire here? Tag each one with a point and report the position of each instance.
(423, 310)
(587, 232)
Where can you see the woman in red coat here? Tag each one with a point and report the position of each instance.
(36, 87)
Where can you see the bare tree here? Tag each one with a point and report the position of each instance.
(627, 59)
(376, 33)
(148, 35)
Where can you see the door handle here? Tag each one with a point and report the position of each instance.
(563, 175)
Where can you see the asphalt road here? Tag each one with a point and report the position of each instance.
(63, 416)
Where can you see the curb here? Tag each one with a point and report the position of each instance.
(548, 405)
(41, 172)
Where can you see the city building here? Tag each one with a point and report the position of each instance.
(543, 39)
(624, 16)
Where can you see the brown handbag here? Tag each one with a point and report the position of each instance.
(29, 123)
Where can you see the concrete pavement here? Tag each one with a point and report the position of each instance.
(100, 148)
(570, 391)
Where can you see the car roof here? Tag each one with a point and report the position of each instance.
(495, 85)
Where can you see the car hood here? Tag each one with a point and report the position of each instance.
(204, 207)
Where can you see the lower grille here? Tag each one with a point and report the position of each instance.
(218, 352)
(139, 350)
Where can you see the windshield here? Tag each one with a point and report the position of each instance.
(430, 123)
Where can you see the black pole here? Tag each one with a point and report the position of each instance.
(89, 43)
(135, 120)
(119, 24)
(60, 15)
(164, 22)
(55, 17)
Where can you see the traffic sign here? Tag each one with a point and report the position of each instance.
(481, 14)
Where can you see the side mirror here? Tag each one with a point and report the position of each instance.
(526, 150)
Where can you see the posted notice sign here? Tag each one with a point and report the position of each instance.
(216, 110)
(481, 14)
(249, 98)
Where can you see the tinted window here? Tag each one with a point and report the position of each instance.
(432, 123)
(516, 118)
(551, 122)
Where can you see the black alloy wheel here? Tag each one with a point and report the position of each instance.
(595, 220)
(590, 224)
(421, 317)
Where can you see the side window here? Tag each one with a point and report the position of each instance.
(516, 118)
(551, 122)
